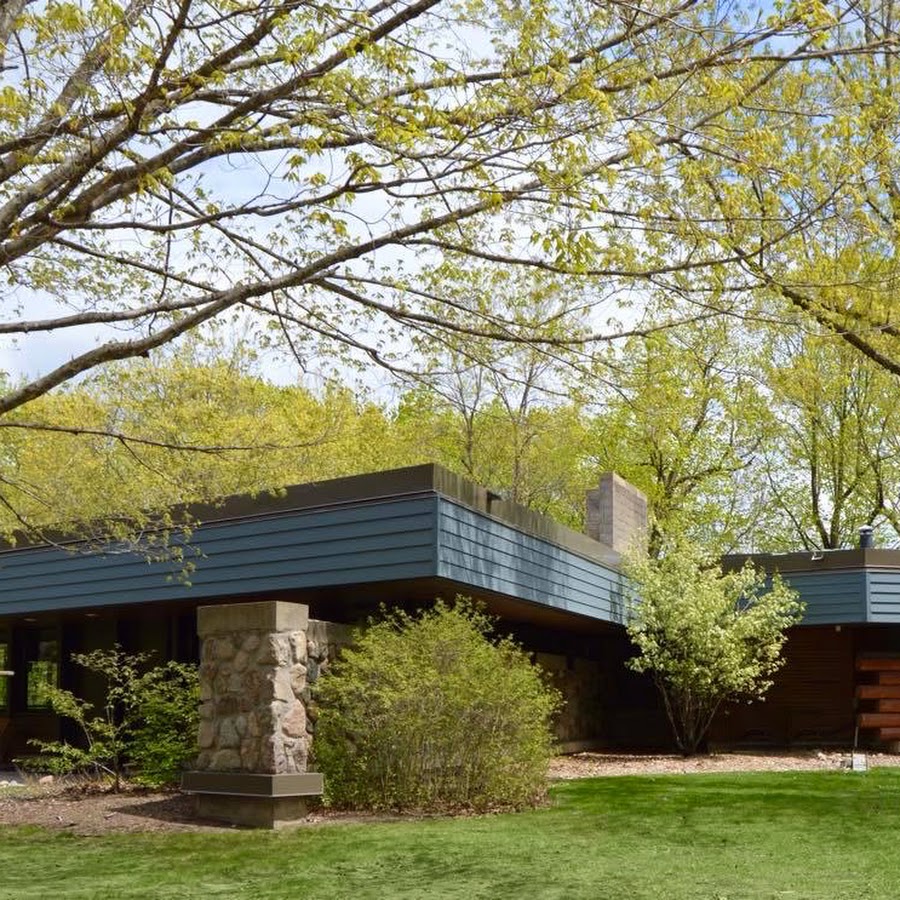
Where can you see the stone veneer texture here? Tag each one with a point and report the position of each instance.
(256, 664)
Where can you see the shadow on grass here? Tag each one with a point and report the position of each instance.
(177, 809)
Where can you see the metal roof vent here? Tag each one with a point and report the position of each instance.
(866, 537)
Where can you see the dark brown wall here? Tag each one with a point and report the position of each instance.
(811, 701)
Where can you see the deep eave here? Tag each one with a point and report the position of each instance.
(398, 526)
(855, 586)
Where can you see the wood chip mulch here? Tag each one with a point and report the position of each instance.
(91, 812)
(591, 765)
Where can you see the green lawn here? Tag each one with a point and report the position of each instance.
(804, 835)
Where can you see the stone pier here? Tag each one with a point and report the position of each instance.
(254, 734)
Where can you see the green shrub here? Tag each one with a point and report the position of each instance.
(163, 737)
(148, 720)
(430, 713)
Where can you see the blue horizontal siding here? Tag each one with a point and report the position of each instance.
(384, 540)
(831, 597)
(379, 541)
(474, 549)
(884, 595)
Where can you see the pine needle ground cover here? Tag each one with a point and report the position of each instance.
(786, 835)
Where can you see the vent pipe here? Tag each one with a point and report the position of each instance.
(866, 537)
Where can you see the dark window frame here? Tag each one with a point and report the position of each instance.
(5, 665)
(27, 650)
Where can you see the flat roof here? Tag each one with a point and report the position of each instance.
(818, 560)
(429, 478)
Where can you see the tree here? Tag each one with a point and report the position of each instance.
(148, 717)
(167, 164)
(503, 415)
(171, 162)
(706, 636)
(833, 462)
(845, 278)
(536, 458)
(684, 422)
(208, 427)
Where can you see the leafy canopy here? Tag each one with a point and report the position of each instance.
(168, 163)
(331, 178)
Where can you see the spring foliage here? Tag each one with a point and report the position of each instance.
(146, 723)
(383, 183)
(706, 636)
(429, 712)
(615, 145)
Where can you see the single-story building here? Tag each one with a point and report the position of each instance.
(345, 546)
(840, 683)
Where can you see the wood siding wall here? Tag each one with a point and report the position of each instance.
(811, 701)
(477, 550)
(831, 597)
(884, 595)
(378, 541)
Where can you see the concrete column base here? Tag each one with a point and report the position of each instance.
(252, 812)
(253, 799)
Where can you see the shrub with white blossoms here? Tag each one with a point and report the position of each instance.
(707, 636)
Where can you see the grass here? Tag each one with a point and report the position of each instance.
(787, 835)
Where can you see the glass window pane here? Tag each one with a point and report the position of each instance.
(4, 680)
(42, 671)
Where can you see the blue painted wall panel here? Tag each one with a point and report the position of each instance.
(477, 550)
(884, 595)
(411, 537)
(214, 559)
(379, 541)
(831, 597)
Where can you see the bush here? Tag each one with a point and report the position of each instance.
(163, 736)
(148, 719)
(429, 713)
(707, 636)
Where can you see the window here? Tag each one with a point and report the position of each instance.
(4, 666)
(42, 668)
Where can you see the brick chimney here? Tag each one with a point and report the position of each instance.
(616, 513)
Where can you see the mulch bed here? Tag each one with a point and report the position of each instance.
(592, 765)
(84, 810)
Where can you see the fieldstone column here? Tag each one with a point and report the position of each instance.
(254, 741)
